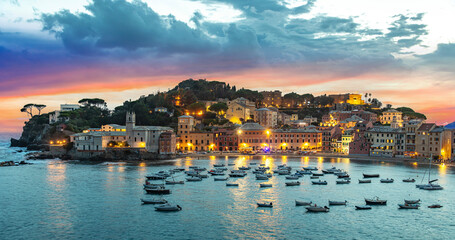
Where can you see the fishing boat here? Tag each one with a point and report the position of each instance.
(159, 190)
(409, 180)
(244, 168)
(317, 209)
(216, 172)
(314, 177)
(364, 181)
(148, 185)
(237, 174)
(435, 206)
(261, 177)
(283, 172)
(292, 177)
(302, 203)
(265, 185)
(220, 179)
(412, 201)
(319, 182)
(193, 179)
(337, 203)
(408, 206)
(296, 183)
(362, 208)
(318, 174)
(310, 168)
(155, 177)
(218, 165)
(387, 180)
(346, 181)
(268, 205)
(431, 185)
(153, 201)
(174, 182)
(370, 175)
(305, 172)
(232, 184)
(168, 208)
(375, 201)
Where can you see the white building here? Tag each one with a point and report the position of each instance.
(55, 115)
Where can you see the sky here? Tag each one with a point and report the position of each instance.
(55, 52)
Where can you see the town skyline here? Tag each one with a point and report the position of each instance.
(403, 54)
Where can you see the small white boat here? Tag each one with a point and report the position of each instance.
(244, 168)
(220, 179)
(265, 185)
(218, 165)
(174, 182)
(364, 180)
(408, 206)
(310, 168)
(203, 175)
(261, 177)
(302, 203)
(387, 180)
(375, 201)
(153, 201)
(346, 181)
(296, 183)
(268, 205)
(292, 177)
(151, 186)
(337, 203)
(305, 172)
(193, 179)
(317, 209)
(232, 184)
(320, 182)
(409, 180)
(168, 208)
(433, 187)
(314, 177)
(412, 201)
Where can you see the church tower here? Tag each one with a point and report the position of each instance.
(130, 124)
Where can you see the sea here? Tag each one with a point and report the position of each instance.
(54, 199)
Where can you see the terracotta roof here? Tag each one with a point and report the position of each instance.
(425, 127)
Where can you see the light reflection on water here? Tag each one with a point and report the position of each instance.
(102, 201)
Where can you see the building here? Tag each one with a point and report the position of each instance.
(346, 139)
(310, 119)
(266, 117)
(272, 98)
(335, 117)
(96, 141)
(69, 107)
(239, 111)
(55, 116)
(422, 139)
(186, 124)
(410, 129)
(296, 139)
(167, 143)
(359, 144)
(392, 115)
(113, 128)
(252, 137)
(434, 141)
(349, 98)
(198, 141)
(226, 140)
(383, 140)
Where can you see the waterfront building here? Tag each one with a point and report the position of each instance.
(336, 143)
(434, 141)
(359, 144)
(197, 141)
(450, 128)
(346, 139)
(252, 136)
(410, 129)
(225, 140)
(422, 139)
(96, 141)
(167, 143)
(383, 140)
(391, 115)
(146, 137)
(266, 117)
(271, 98)
(113, 128)
(308, 138)
(326, 137)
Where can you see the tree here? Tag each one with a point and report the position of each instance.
(39, 107)
(220, 108)
(28, 108)
(196, 107)
(93, 102)
(323, 100)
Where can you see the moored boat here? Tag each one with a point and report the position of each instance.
(310, 168)
(237, 174)
(409, 180)
(265, 185)
(153, 201)
(320, 182)
(387, 180)
(296, 183)
(346, 181)
(168, 208)
(408, 206)
(364, 181)
(232, 184)
(370, 175)
(317, 209)
(268, 205)
(302, 203)
(362, 208)
(220, 179)
(375, 201)
(193, 179)
(318, 174)
(337, 203)
(412, 201)
(292, 177)
(314, 177)
(174, 182)
(159, 190)
(435, 206)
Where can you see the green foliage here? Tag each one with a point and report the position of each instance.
(93, 102)
(251, 95)
(323, 100)
(411, 113)
(219, 107)
(196, 107)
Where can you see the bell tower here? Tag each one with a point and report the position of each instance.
(130, 124)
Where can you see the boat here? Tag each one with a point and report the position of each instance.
(216, 172)
(253, 163)
(408, 206)
(314, 177)
(370, 175)
(375, 201)
(177, 169)
(305, 172)
(362, 208)
(268, 205)
(148, 185)
(344, 176)
(337, 203)
(409, 180)
(435, 206)
(264, 185)
(296, 183)
(232, 184)
(318, 174)
(221, 168)
(364, 181)
(174, 182)
(196, 168)
(283, 172)
(346, 181)
(332, 170)
(387, 180)
(193, 179)
(412, 201)
(237, 174)
(244, 168)
(319, 182)
(292, 177)
(317, 209)
(153, 201)
(158, 190)
(302, 203)
(203, 175)
(433, 187)
(220, 179)
(231, 164)
(168, 208)
(155, 177)
(310, 168)
(218, 165)
(261, 177)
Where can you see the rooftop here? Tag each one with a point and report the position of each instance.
(251, 126)
(426, 127)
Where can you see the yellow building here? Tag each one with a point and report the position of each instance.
(238, 112)
(392, 116)
(355, 99)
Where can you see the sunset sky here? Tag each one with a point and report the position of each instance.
(53, 52)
